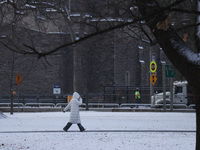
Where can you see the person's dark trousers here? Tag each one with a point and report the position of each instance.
(138, 102)
(67, 126)
(81, 127)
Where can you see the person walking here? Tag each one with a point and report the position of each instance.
(137, 97)
(74, 104)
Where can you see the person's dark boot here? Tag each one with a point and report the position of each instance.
(67, 126)
(81, 127)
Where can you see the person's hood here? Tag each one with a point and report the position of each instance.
(76, 95)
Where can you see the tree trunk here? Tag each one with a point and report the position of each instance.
(11, 83)
(178, 53)
(197, 102)
(189, 70)
(175, 49)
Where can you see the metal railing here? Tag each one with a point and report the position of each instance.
(134, 105)
(65, 104)
(97, 105)
(14, 105)
(40, 104)
(174, 105)
(192, 106)
(103, 105)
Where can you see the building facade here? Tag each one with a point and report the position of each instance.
(118, 58)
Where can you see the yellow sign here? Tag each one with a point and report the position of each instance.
(153, 79)
(153, 66)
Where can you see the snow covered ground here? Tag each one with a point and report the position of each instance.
(120, 131)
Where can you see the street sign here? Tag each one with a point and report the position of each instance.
(18, 79)
(169, 72)
(153, 66)
(153, 56)
(153, 78)
(56, 89)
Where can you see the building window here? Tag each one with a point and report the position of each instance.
(127, 78)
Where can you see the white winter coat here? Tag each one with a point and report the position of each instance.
(74, 105)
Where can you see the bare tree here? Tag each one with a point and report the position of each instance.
(182, 57)
(104, 17)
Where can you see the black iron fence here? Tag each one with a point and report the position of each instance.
(111, 94)
(34, 99)
(126, 94)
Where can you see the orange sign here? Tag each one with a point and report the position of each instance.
(153, 79)
(18, 79)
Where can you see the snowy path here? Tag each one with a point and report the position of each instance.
(105, 131)
(184, 131)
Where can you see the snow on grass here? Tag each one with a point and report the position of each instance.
(98, 140)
